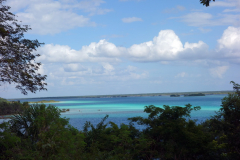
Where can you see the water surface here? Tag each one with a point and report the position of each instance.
(119, 109)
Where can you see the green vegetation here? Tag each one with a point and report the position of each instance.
(18, 60)
(11, 107)
(45, 101)
(3, 100)
(196, 94)
(174, 95)
(39, 132)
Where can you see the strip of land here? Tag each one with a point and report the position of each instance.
(132, 95)
(45, 101)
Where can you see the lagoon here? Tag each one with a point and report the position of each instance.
(121, 108)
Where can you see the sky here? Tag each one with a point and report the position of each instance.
(99, 47)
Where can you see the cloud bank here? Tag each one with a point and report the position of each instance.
(165, 47)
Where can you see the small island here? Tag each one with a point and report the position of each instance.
(196, 94)
(174, 95)
(45, 101)
(64, 110)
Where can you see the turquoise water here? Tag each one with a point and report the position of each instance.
(119, 109)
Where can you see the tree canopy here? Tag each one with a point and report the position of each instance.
(17, 60)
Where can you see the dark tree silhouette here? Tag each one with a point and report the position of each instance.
(205, 2)
(17, 60)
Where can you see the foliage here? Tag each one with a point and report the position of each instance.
(205, 2)
(3, 100)
(109, 141)
(171, 136)
(14, 107)
(225, 127)
(36, 119)
(236, 87)
(17, 61)
(8, 141)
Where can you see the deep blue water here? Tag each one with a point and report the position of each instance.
(119, 109)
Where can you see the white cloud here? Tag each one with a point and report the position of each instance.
(163, 48)
(52, 23)
(74, 67)
(230, 3)
(101, 73)
(131, 19)
(130, 73)
(201, 19)
(228, 44)
(218, 72)
(138, 76)
(165, 45)
(230, 38)
(71, 67)
(235, 4)
(108, 69)
(41, 70)
(51, 17)
(92, 6)
(102, 51)
(231, 10)
(131, 68)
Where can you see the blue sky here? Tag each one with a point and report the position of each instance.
(97, 47)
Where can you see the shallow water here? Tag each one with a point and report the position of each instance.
(119, 109)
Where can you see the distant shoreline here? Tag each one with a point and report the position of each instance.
(45, 101)
(131, 95)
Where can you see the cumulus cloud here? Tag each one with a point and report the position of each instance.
(218, 72)
(51, 17)
(102, 51)
(165, 45)
(164, 48)
(131, 19)
(230, 38)
(228, 44)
